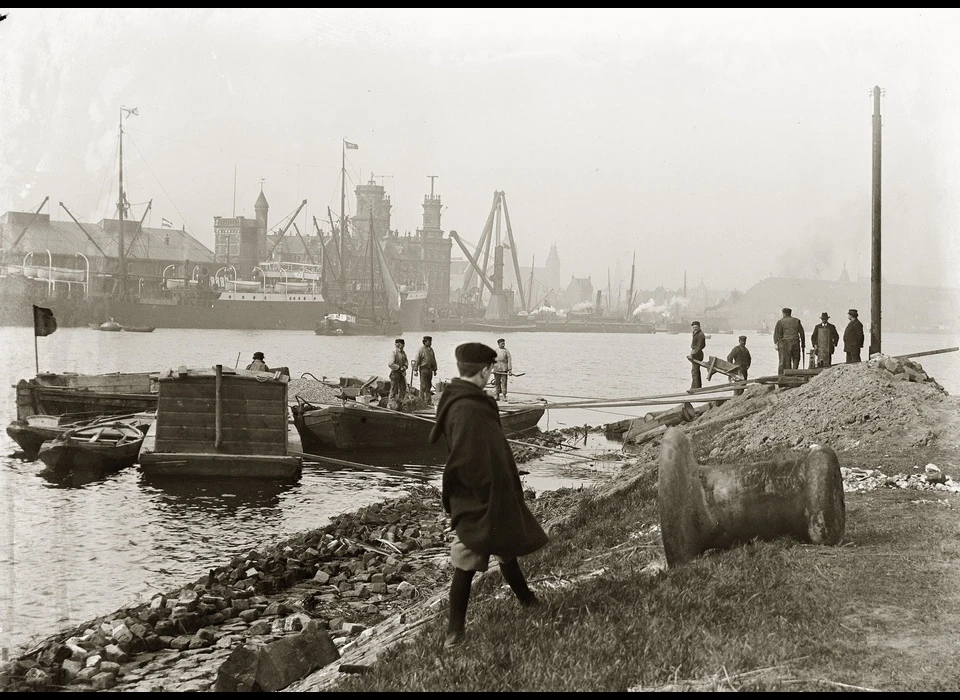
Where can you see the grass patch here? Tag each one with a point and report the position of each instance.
(876, 612)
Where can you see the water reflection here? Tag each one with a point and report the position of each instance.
(225, 496)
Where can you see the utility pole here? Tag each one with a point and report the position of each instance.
(875, 230)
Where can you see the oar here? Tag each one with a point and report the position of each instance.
(355, 465)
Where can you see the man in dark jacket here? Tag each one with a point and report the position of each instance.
(425, 365)
(740, 356)
(824, 340)
(853, 337)
(790, 341)
(698, 342)
(481, 492)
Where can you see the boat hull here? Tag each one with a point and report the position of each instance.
(86, 454)
(85, 395)
(358, 428)
(30, 438)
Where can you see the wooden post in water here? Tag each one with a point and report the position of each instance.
(218, 408)
(875, 230)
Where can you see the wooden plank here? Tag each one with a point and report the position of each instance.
(174, 447)
(231, 420)
(173, 404)
(230, 433)
(925, 353)
(260, 391)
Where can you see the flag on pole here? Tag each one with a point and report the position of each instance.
(165, 224)
(43, 321)
(349, 145)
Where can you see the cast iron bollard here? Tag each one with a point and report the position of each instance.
(718, 506)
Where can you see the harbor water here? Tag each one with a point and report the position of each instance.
(70, 554)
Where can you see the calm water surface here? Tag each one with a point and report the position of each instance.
(70, 554)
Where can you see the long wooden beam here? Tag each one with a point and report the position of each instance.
(926, 352)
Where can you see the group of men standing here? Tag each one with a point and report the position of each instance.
(790, 340)
(425, 366)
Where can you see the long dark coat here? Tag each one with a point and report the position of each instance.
(825, 339)
(482, 492)
(853, 336)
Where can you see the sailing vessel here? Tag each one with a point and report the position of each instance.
(370, 302)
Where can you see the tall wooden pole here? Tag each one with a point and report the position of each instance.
(875, 231)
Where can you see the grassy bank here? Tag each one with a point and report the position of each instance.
(877, 612)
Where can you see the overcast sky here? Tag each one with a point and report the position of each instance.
(727, 144)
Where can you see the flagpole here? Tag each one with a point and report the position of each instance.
(343, 192)
(36, 352)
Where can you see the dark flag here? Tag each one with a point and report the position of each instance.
(43, 321)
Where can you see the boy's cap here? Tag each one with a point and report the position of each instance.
(477, 353)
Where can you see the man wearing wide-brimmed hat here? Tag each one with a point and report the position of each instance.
(853, 337)
(824, 340)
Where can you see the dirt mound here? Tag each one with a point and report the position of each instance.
(881, 401)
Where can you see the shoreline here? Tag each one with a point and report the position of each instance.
(376, 574)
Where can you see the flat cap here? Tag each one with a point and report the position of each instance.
(695, 323)
(853, 312)
(786, 310)
(742, 337)
(477, 353)
(428, 337)
(399, 340)
(258, 356)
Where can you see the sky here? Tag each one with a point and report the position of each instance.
(724, 145)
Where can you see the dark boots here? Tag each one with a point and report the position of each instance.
(459, 598)
(518, 584)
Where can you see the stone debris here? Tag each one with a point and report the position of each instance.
(362, 568)
(930, 479)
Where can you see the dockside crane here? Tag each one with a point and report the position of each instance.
(491, 238)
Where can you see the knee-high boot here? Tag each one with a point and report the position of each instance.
(518, 584)
(459, 599)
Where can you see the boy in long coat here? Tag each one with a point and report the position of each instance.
(481, 491)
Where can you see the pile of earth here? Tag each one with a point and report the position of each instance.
(869, 405)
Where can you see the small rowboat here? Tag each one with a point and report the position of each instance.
(82, 455)
(112, 326)
(139, 329)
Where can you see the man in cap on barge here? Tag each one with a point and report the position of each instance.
(258, 365)
(425, 365)
(481, 491)
(398, 376)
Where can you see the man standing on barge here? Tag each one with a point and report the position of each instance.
(425, 364)
(398, 377)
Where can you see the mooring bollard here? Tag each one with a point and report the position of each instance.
(706, 507)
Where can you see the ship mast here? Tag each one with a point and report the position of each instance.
(121, 204)
(370, 246)
(120, 255)
(343, 192)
